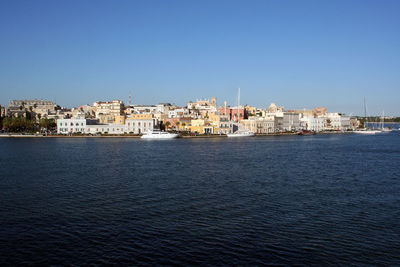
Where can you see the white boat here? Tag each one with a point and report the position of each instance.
(157, 134)
(386, 130)
(366, 131)
(383, 128)
(240, 132)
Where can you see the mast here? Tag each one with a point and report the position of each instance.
(365, 114)
(238, 107)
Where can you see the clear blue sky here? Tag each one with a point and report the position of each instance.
(299, 54)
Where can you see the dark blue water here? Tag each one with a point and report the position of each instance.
(311, 200)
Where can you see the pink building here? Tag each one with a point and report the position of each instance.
(234, 112)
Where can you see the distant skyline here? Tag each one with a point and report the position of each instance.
(299, 54)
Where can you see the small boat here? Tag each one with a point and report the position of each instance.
(306, 132)
(386, 130)
(241, 133)
(157, 134)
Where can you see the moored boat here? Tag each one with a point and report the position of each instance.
(157, 134)
(241, 133)
(366, 131)
(306, 132)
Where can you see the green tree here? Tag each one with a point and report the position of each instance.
(177, 124)
(18, 124)
(48, 124)
(167, 124)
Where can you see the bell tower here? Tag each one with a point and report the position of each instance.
(214, 101)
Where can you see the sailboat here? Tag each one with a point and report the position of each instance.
(383, 129)
(365, 130)
(240, 132)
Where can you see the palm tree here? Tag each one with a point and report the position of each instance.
(177, 124)
(167, 124)
(39, 116)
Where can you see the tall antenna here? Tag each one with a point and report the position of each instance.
(130, 100)
(225, 107)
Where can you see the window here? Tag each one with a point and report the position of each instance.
(76, 124)
(72, 124)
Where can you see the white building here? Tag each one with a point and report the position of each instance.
(74, 125)
(312, 123)
(92, 126)
(178, 113)
(337, 122)
(140, 126)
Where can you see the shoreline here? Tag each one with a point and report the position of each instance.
(139, 136)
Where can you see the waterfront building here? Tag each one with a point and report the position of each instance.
(337, 122)
(201, 126)
(222, 123)
(311, 123)
(287, 121)
(234, 113)
(259, 125)
(75, 125)
(140, 124)
(93, 126)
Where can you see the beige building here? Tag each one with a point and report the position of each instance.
(42, 107)
(259, 125)
(107, 112)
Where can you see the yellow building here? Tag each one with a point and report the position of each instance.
(105, 118)
(120, 119)
(141, 116)
(251, 110)
(201, 126)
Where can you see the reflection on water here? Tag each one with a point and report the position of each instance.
(324, 199)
